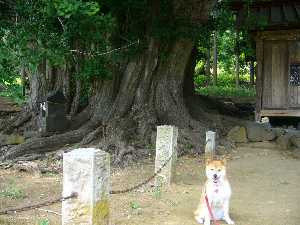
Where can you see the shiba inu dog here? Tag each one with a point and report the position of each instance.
(218, 192)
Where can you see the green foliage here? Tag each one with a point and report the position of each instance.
(50, 30)
(44, 221)
(224, 80)
(134, 205)
(12, 192)
(226, 91)
(68, 8)
(223, 24)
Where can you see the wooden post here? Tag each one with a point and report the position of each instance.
(166, 147)
(207, 66)
(259, 77)
(237, 58)
(215, 62)
(86, 171)
(210, 146)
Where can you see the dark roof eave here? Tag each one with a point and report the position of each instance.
(239, 4)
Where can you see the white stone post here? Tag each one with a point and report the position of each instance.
(86, 171)
(210, 146)
(166, 146)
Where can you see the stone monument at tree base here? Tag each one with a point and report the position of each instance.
(52, 115)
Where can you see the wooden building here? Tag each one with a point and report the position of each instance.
(277, 36)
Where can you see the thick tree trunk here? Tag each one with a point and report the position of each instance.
(252, 69)
(146, 90)
(76, 99)
(150, 91)
(215, 63)
(149, 83)
(237, 71)
(207, 65)
(237, 60)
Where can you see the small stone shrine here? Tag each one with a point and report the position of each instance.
(52, 114)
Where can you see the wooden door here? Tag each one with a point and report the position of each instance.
(275, 71)
(294, 74)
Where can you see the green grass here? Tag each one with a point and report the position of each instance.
(44, 221)
(134, 205)
(12, 192)
(226, 91)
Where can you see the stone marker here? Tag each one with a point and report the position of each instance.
(52, 116)
(210, 146)
(86, 171)
(237, 134)
(166, 146)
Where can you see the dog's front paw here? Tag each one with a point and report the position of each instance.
(206, 222)
(229, 221)
(199, 219)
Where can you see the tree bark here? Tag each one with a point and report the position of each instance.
(252, 69)
(207, 65)
(146, 90)
(237, 60)
(46, 144)
(215, 63)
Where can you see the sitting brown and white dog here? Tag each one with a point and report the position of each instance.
(218, 192)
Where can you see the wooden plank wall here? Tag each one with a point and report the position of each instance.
(279, 74)
(259, 77)
(267, 75)
(275, 74)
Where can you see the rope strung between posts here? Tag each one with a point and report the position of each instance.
(144, 182)
(75, 195)
(38, 205)
(108, 52)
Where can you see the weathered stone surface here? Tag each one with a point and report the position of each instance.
(284, 141)
(279, 131)
(259, 132)
(295, 140)
(237, 134)
(260, 145)
(86, 172)
(221, 150)
(210, 146)
(166, 146)
(296, 153)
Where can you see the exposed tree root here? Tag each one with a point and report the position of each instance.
(46, 144)
(13, 123)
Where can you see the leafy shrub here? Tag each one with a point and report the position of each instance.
(224, 80)
(226, 91)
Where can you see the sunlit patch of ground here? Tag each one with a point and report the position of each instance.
(265, 184)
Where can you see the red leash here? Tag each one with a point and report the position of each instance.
(210, 211)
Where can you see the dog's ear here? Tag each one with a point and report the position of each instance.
(208, 161)
(224, 161)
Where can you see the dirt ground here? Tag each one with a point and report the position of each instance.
(265, 184)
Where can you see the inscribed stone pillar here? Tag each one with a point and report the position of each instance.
(86, 171)
(166, 147)
(210, 146)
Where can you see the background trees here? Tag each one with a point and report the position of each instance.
(126, 66)
(123, 66)
(235, 54)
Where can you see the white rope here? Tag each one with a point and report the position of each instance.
(105, 53)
